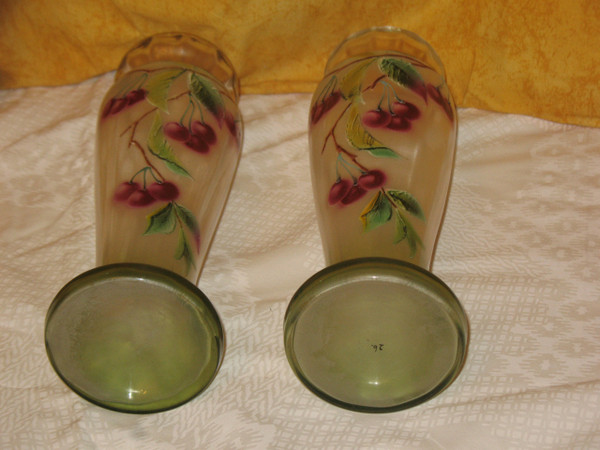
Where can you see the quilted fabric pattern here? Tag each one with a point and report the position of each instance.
(519, 246)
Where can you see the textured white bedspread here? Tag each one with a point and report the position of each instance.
(520, 247)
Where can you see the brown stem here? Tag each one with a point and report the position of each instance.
(352, 156)
(331, 132)
(143, 153)
(150, 111)
(372, 85)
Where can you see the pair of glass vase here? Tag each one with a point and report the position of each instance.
(374, 331)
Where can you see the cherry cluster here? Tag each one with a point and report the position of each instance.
(117, 104)
(319, 109)
(345, 191)
(198, 137)
(137, 196)
(397, 118)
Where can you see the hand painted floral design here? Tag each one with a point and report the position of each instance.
(154, 183)
(392, 113)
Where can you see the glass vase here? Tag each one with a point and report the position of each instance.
(376, 331)
(136, 334)
(168, 145)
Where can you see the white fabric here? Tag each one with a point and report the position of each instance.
(520, 247)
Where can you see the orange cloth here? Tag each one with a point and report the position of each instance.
(517, 56)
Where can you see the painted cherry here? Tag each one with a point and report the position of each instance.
(372, 179)
(356, 192)
(135, 96)
(197, 144)
(108, 108)
(338, 190)
(118, 105)
(140, 198)
(165, 191)
(205, 131)
(376, 118)
(124, 191)
(316, 112)
(399, 124)
(176, 131)
(331, 100)
(407, 110)
(320, 109)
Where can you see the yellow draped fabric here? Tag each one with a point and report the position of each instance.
(540, 58)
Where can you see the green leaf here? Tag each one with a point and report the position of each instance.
(401, 231)
(189, 220)
(160, 147)
(413, 239)
(382, 152)
(352, 81)
(183, 250)
(377, 212)
(204, 91)
(407, 202)
(402, 72)
(162, 221)
(361, 139)
(404, 230)
(158, 87)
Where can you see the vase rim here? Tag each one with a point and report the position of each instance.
(186, 49)
(426, 52)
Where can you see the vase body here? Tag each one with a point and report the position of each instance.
(168, 145)
(136, 334)
(375, 330)
(382, 143)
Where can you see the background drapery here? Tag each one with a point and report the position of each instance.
(516, 56)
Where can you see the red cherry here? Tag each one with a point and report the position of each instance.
(399, 124)
(176, 131)
(376, 118)
(355, 193)
(118, 105)
(316, 112)
(372, 179)
(140, 198)
(406, 110)
(434, 93)
(320, 109)
(420, 89)
(332, 100)
(108, 108)
(135, 96)
(205, 131)
(338, 190)
(124, 191)
(165, 191)
(231, 125)
(197, 144)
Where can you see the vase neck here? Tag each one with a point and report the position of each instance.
(385, 40)
(185, 49)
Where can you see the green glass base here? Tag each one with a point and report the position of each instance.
(375, 335)
(134, 338)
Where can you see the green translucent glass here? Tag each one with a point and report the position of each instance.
(375, 335)
(134, 338)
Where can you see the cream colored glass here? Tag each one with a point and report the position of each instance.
(168, 145)
(375, 331)
(135, 334)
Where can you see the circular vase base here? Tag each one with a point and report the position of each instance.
(375, 335)
(134, 338)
